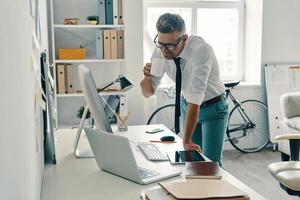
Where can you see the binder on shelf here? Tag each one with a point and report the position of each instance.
(115, 12)
(101, 11)
(109, 11)
(99, 43)
(114, 44)
(61, 82)
(120, 34)
(69, 78)
(107, 45)
(120, 12)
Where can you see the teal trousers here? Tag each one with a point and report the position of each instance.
(210, 129)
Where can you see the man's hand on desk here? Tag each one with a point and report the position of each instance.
(191, 146)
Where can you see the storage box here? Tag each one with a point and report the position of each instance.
(79, 53)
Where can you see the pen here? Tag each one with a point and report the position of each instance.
(155, 131)
(162, 141)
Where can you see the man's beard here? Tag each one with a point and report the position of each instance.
(168, 55)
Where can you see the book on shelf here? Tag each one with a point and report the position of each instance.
(208, 170)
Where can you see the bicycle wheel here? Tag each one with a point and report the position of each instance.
(241, 134)
(164, 115)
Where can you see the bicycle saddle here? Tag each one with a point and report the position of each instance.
(230, 84)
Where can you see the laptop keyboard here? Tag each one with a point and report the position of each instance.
(151, 151)
(145, 173)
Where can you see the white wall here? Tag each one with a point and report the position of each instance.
(21, 163)
(281, 31)
(133, 17)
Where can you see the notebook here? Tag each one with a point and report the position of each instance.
(204, 189)
(208, 170)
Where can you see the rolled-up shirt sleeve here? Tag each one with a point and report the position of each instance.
(156, 79)
(201, 63)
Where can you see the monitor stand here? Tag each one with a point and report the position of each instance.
(87, 153)
(80, 153)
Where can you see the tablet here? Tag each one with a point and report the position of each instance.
(180, 157)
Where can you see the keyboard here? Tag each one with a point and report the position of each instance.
(151, 151)
(145, 173)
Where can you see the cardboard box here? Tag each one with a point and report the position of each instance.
(79, 53)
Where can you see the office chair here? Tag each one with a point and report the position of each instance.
(287, 172)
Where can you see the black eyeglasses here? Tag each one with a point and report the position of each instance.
(167, 46)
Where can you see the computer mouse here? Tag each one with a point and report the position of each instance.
(167, 138)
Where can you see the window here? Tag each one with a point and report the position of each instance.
(220, 23)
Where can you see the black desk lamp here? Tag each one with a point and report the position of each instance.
(125, 84)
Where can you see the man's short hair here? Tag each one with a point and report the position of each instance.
(168, 23)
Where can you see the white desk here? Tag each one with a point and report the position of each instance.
(76, 179)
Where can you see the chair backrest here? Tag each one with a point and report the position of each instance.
(93, 100)
(290, 104)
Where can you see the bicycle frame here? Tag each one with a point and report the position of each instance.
(248, 123)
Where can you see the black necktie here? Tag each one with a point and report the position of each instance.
(177, 98)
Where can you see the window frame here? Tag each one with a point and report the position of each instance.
(194, 5)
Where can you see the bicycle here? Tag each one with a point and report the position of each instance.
(244, 131)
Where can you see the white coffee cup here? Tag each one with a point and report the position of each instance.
(157, 67)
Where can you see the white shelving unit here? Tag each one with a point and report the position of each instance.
(81, 95)
(90, 61)
(87, 26)
(74, 36)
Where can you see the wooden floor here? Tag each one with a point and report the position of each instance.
(252, 170)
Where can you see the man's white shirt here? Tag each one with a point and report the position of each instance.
(200, 72)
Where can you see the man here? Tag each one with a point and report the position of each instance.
(191, 63)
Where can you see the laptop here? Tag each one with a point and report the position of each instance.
(114, 154)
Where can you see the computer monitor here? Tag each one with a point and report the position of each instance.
(94, 101)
